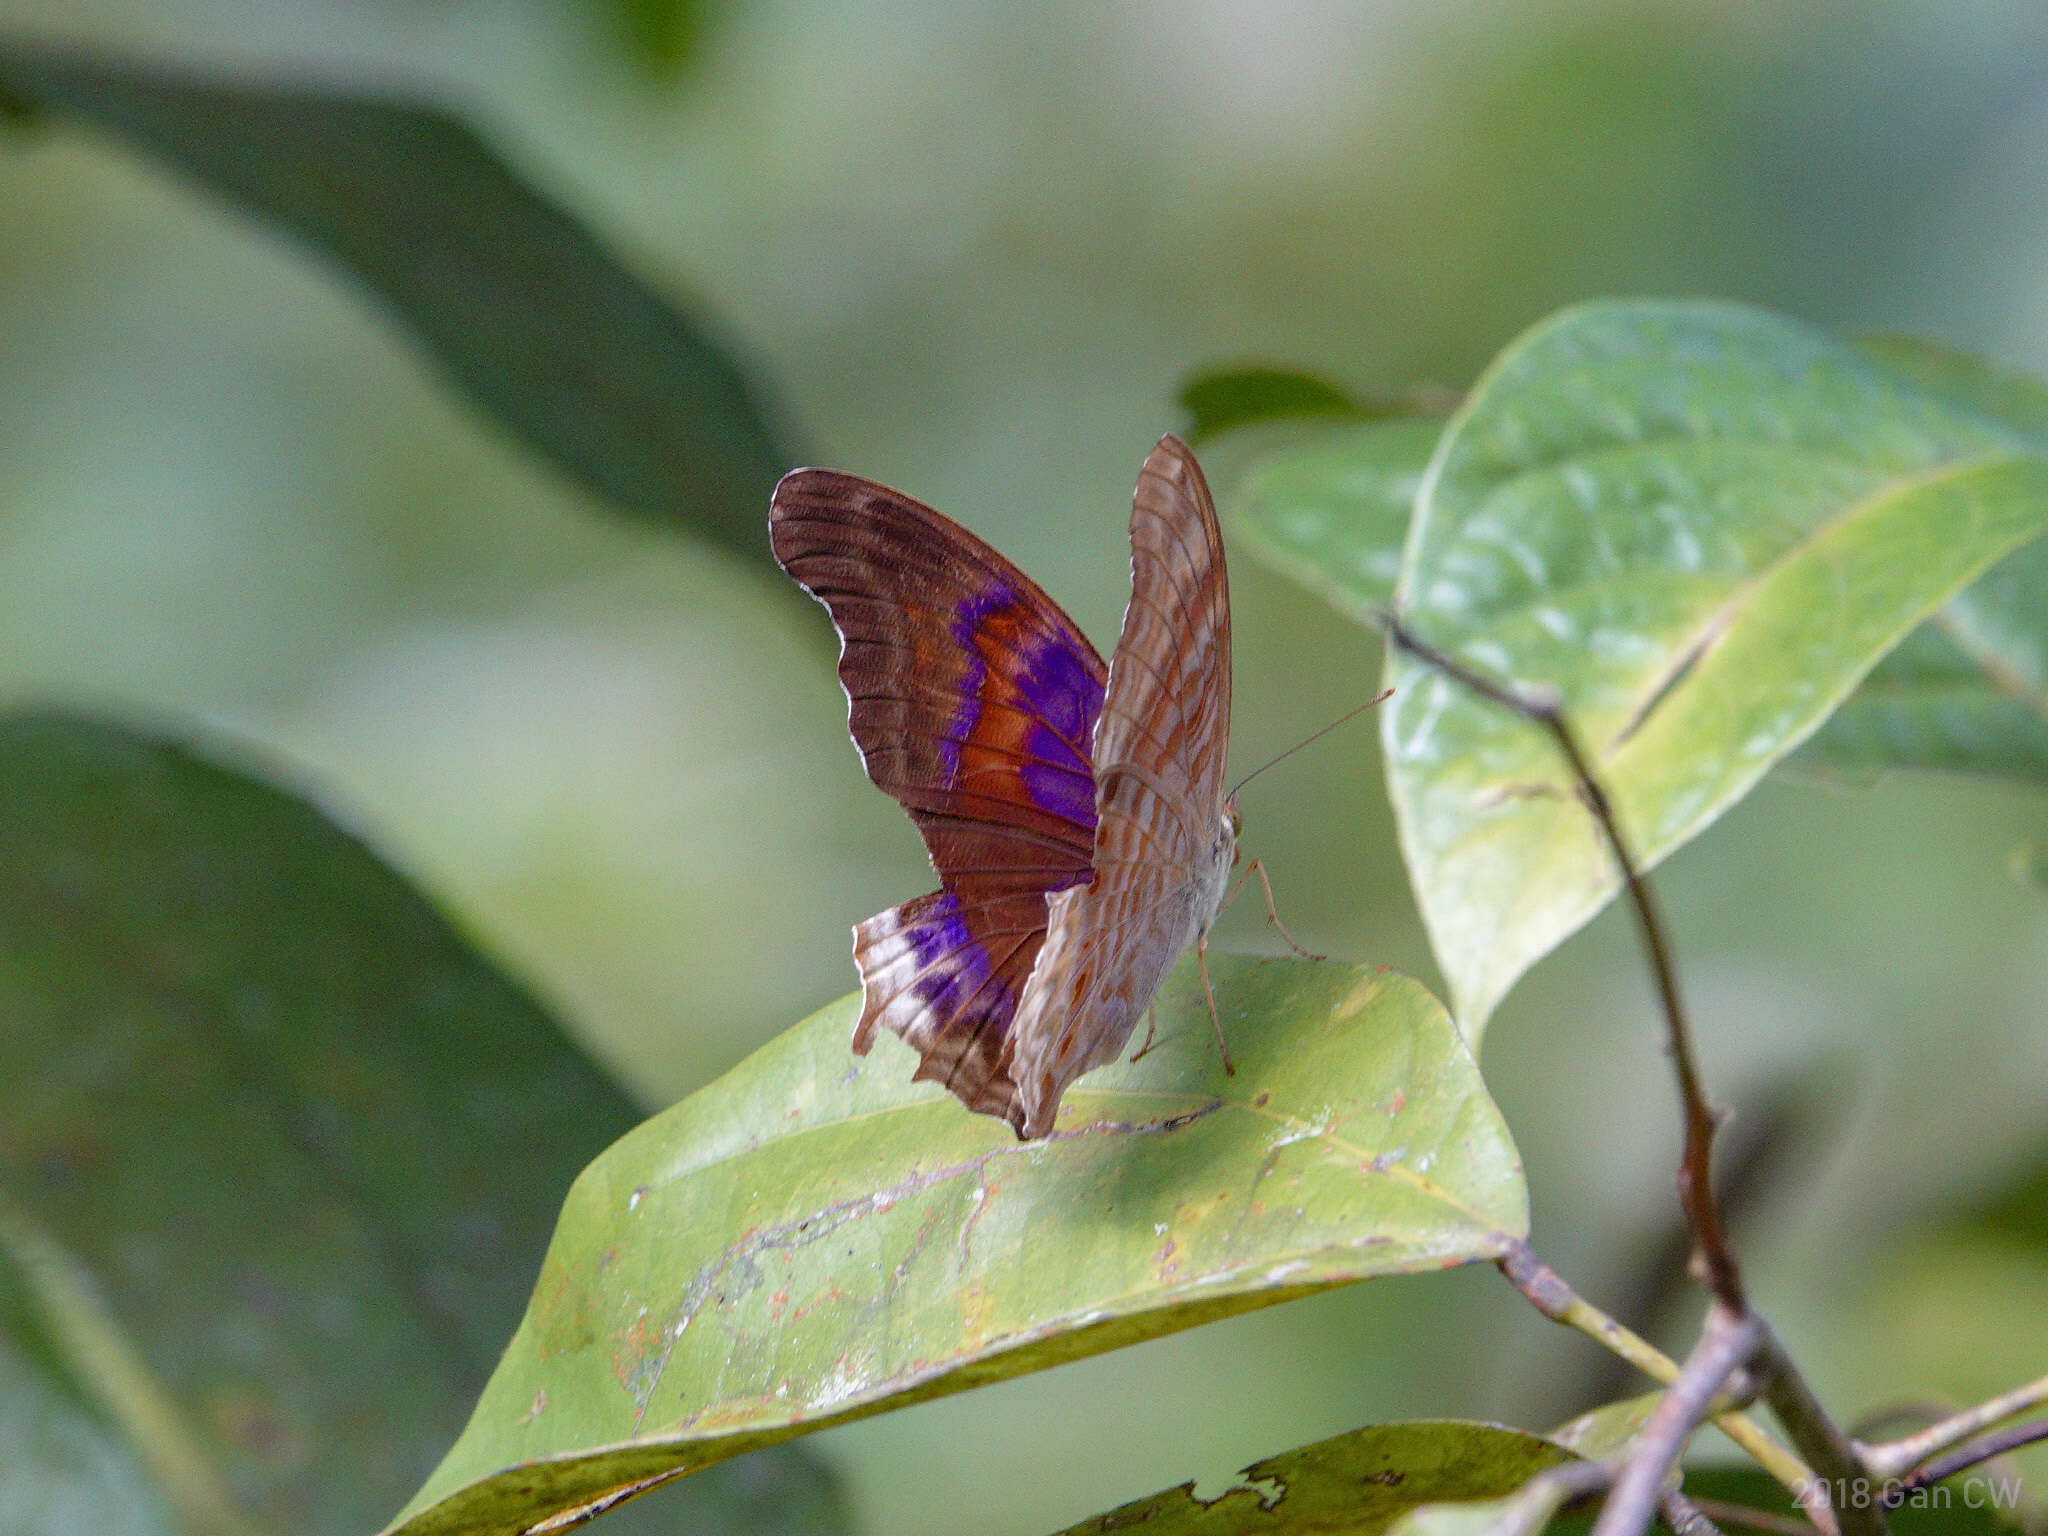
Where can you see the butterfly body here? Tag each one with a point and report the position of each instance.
(1075, 813)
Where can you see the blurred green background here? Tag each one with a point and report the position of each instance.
(971, 251)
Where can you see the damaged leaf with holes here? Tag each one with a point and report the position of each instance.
(1359, 1483)
(816, 1237)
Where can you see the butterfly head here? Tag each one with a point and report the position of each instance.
(1233, 823)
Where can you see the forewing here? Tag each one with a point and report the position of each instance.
(1159, 757)
(973, 700)
(972, 697)
(1159, 746)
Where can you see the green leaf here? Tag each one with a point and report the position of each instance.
(515, 300)
(62, 1466)
(1968, 691)
(1530, 1509)
(1602, 1432)
(1930, 705)
(1359, 1483)
(278, 1153)
(815, 1237)
(1223, 399)
(1702, 525)
(664, 37)
(1333, 512)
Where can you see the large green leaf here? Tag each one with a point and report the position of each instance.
(1967, 691)
(278, 1153)
(814, 1237)
(515, 300)
(1702, 525)
(1358, 1483)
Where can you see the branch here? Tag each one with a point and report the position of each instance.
(1686, 1518)
(1965, 1456)
(1894, 1458)
(1833, 1498)
(1716, 1261)
(1552, 1295)
(1725, 1347)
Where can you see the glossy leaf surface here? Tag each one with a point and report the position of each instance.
(815, 1237)
(1966, 692)
(513, 298)
(1702, 525)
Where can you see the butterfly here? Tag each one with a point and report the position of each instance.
(1075, 812)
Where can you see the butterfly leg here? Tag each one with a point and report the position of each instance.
(1257, 867)
(1215, 1019)
(1151, 1029)
(1273, 915)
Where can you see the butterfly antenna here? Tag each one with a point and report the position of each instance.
(1349, 714)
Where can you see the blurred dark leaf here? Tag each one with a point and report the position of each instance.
(2019, 1208)
(1359, 1483)
(279, 1153)
(514, 299)
(1223, 399)
(63, 1467)
(663, 37)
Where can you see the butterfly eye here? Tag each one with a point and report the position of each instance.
(1234, 817)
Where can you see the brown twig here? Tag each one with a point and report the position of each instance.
(1686, 1517)
(1894, 1458)
(1969, 1454)
(1725, 1347)
(1755, 1153)
(1716, 1261)
(1839, 1495)
(1552, 1295)
(1734, 1334)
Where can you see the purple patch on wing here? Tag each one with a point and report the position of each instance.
(954, 969)
(968, 618)
(1064, 695)
(1066, 698)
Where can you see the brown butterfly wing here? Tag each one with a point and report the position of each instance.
(973, 700)
(1163, 843)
